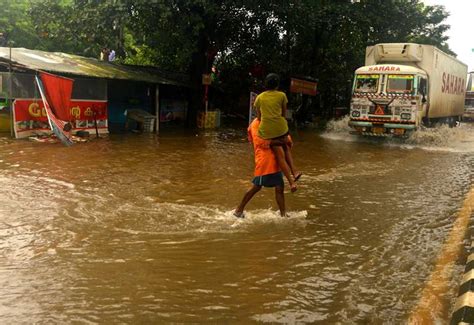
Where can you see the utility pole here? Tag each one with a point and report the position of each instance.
(10, 91)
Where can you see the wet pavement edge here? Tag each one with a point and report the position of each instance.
(463, 312)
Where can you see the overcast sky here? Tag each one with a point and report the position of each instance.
(461, 21)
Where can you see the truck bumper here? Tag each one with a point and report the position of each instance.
(384, 125)
(381, 129)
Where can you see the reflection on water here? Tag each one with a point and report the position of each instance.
(138, 229)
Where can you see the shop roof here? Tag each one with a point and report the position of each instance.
(63, 63)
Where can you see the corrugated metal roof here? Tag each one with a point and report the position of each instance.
(81, 66)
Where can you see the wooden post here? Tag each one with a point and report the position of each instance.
(157, 107)
(10, 95)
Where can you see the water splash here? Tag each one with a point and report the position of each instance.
(338, 126)
(172, 218)
(444, 138)
(339, 129)
(441, 138)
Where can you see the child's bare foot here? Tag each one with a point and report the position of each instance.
(293, 188)
(297, 176)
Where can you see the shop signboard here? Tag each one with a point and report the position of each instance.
(206, 79)
(303, 87)
(30, 117)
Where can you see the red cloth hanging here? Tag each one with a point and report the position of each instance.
(58, 93)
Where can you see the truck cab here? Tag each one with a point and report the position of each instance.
(388, 99)
(403, 85)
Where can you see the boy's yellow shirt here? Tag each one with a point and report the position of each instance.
(272, 124)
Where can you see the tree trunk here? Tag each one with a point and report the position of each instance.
(198, 66)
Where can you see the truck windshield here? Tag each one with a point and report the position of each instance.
(400, 83)
(366, 83)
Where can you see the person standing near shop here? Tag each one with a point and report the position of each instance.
(104, 54)
(112, 56)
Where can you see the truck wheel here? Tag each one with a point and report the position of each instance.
(435, 122)
(458, 121)
(451, 122)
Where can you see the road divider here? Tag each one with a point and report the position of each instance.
(463, 312)
(432, 306)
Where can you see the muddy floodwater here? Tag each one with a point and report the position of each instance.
(139, 229)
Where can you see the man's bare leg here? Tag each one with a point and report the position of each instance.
(280, 199)
(247, 197)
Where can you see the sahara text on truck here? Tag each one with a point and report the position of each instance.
(405, 85)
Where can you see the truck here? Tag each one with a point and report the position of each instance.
(404, 86)
(468, 115)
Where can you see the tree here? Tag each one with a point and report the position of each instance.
(15, 24)
(79, 26)
(245, 39)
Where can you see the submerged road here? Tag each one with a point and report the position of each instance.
(138, 229)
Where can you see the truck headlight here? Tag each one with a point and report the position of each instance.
(405, 116)
(355, 113)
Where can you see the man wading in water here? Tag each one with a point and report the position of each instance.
(267, 171)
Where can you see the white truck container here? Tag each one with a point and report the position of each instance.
(405, 85)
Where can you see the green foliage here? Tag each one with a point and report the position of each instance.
(78, 26)
(16, 24)
(245, 39)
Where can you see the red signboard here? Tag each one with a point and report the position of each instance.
(206, 79)
(30, 116)
(303, 87)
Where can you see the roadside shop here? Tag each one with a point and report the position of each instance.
(103, 93)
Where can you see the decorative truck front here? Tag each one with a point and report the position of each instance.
(405, 85)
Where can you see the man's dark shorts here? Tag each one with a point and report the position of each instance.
(269, 180)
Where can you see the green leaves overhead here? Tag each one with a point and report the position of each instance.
(16, 25)
(245, 39)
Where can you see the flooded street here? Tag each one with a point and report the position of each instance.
(139, 229)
